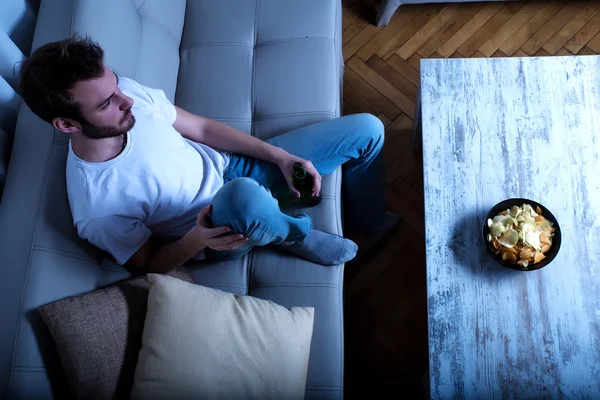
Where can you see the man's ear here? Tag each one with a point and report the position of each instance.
(66, 125)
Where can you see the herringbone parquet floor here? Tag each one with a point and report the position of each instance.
(386, 303)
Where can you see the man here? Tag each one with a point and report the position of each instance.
(147, 184)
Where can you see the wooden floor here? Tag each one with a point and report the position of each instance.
(386, 302)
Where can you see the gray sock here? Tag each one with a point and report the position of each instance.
(323, 248)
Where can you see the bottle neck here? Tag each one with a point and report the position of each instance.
(300, 174)
(299, 171)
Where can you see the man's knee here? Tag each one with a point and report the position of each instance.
(239, 199)
(370, 128)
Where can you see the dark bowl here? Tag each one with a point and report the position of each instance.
(505, 205)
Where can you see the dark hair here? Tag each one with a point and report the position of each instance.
(53, 69)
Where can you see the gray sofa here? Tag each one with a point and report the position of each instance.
(388, 7)
(264, 67)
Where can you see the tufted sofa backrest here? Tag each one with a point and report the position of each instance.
(262, 66)
(140, 38)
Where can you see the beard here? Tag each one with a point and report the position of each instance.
(107, 131)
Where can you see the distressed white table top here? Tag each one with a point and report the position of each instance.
(495, 129)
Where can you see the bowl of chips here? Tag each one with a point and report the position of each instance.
(521, 234)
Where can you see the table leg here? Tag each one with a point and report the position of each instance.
(418, 124)
(426, 385)
(386, 11)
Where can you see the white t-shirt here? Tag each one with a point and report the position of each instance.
(156, 186)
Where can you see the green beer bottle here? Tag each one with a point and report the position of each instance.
(303, 182)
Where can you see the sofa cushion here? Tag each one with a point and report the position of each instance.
(264, 67)
(202, 343)
(98, 336)
(140, 38)
(5, 145)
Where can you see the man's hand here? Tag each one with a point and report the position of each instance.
(286, 165)
(216, 238)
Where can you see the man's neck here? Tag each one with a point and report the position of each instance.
(97, 150)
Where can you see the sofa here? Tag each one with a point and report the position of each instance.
(264, 67)
(386, 10)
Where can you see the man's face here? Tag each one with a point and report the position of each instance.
(105, 109)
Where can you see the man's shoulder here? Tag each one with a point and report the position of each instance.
(132, 88)
(128, 82)
(143, 96)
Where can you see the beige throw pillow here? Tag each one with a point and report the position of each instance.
(202, 343)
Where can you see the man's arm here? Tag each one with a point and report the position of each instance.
(166, 258)
(221, 136)
(172, 255)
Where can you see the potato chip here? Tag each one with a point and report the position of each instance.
(514, 211)
(495, 243)
(505, 220)
(546, 226)
(539, 256)
(507, 256)
(509, 238)
(532, 238)
(528, 218)
(545, 248)
(521, 235)
(526, 254)
(497, 229)
(529, 210)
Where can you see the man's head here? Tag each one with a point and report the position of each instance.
(67, 84)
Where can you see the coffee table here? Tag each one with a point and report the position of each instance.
(501, 128)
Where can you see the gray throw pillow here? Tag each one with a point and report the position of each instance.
(98, 336)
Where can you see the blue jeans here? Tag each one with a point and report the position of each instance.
(248, 202)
